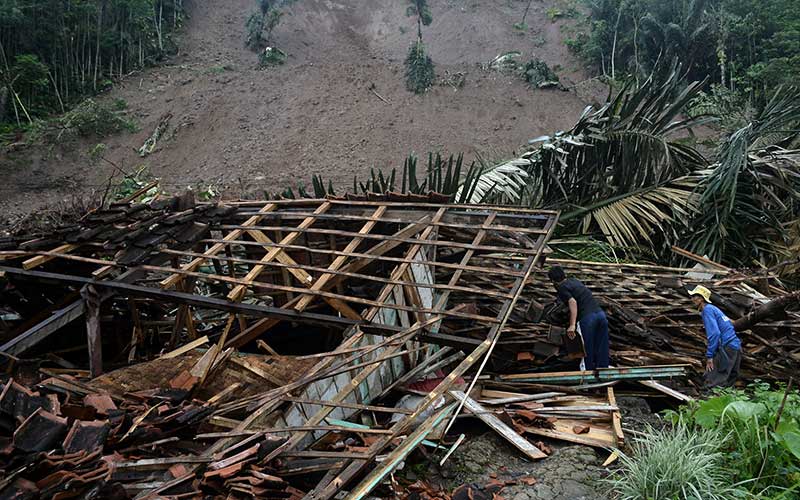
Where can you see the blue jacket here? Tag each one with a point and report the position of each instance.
(719, 330)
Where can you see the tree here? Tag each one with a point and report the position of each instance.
(420, 71)
(81, 44)
(261, 23)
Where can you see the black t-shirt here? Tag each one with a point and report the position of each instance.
(572, 288)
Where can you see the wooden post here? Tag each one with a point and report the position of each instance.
(93, 302)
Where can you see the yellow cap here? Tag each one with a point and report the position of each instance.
(701, 291)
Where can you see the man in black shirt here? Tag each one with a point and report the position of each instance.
(584, 311)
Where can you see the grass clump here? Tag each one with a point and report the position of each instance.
(420, 72)
(675, 463)
(763, 425)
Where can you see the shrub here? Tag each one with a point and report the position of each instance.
(675, 463)
(271, 56)
(764, 452)
(539, 74)
(419, 69)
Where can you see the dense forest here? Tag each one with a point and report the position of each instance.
(744, 46)
(55, 52)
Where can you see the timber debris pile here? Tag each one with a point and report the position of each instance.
(305, 348)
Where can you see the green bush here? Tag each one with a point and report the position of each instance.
(419, 69)
(677, 463)
(271, 56)
(764, 452)
(539, 74)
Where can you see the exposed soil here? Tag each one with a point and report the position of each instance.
(246, 129)
(570, 472)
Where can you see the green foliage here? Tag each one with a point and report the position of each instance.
(750, 46)
(732, 109)
(420, 9)
(271, 56)
(89, 118)
(419, 69)
(751, 192)
(539, 74)
(56, 52)
(96, 153)
(134, 182)
(578, 247)
(675, 463)
(255, 30)
(619, 167)
(764, 452)
(477, 183)
(260, 26)
(554, 13)
(261, 23)
(94, 118)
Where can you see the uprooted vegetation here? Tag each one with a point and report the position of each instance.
(89, 118)
(536, 72)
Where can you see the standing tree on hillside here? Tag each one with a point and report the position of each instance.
(260, 25)
(419, 66)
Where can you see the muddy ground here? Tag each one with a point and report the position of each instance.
(571, 472)
(233, 125)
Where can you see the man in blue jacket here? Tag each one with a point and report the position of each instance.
(724, 352)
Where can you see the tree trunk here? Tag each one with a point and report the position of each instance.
(3, 103)
(614, 45)
(97, 42)
(157, 25)
(525, 14)
(765, 311)
(55, 88)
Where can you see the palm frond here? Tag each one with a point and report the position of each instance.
(752, 190)
(639, 216)
(502, 184)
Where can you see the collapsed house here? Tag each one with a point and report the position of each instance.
(304, 348)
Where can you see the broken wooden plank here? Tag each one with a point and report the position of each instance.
(44, 329)
(93, 302)
(233, 235)
(499, 426)
(337, 263)
(596, 437)
(42, 259)
(399, 454)
(520, 399)
(667, 390)
(185, 348)
(601, 374)
(616, 418)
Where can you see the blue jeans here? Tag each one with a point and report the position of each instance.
(594, 328)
